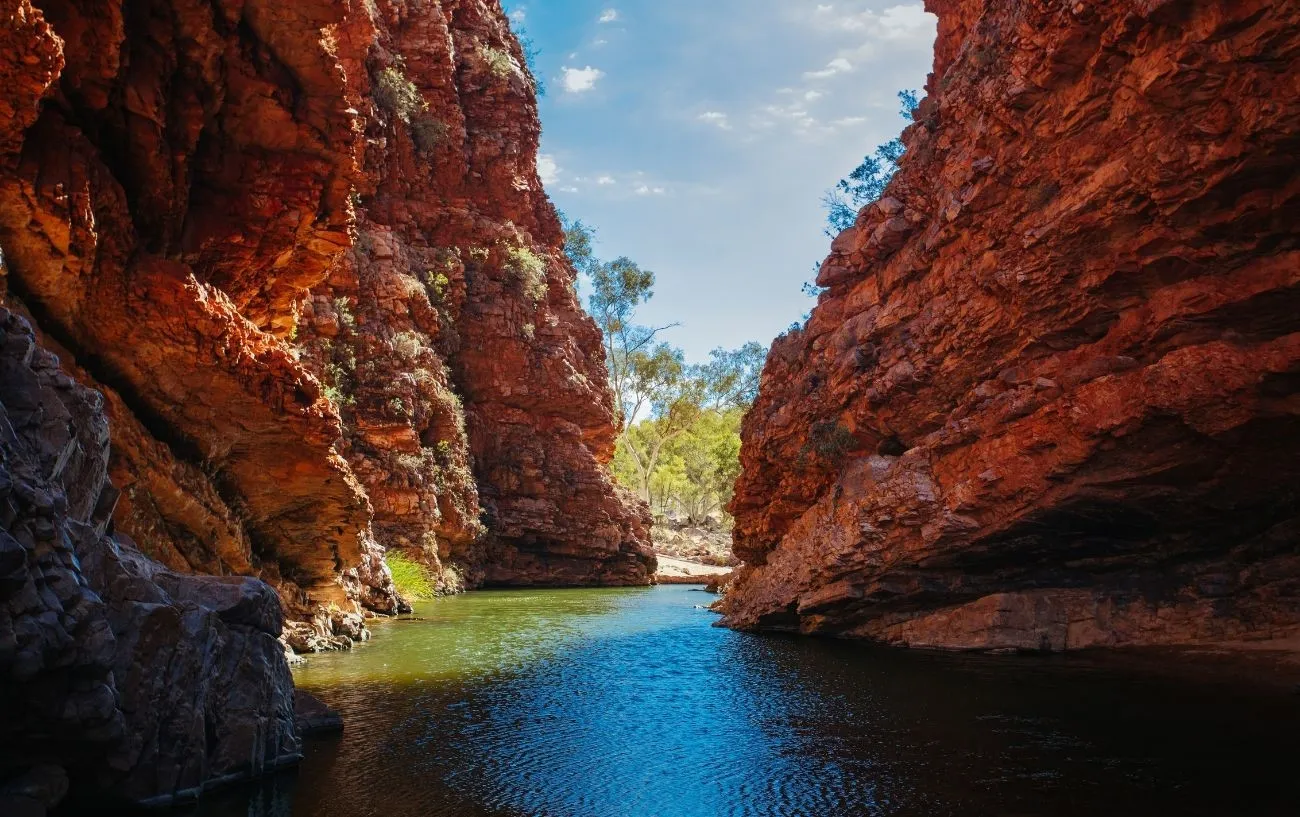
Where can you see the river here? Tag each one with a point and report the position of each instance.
(628, 703)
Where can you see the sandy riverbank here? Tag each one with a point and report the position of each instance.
(681, 571)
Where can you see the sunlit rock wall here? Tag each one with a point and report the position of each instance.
(1051, 396)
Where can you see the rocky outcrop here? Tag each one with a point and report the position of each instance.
(136, 680)
(707, 542)
(1051, 395)
(472, 387)
(300, 255)
(303, 252)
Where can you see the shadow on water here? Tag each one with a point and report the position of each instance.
(603, 703)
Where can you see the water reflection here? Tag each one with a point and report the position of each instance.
(614, 702)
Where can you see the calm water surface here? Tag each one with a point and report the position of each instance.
(627, 703)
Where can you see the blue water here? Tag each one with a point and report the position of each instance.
(628, 703)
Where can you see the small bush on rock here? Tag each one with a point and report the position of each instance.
(398, 95)
(428, 133)
(529, 270)
(408, 345)
(830, 441)
(499, 62)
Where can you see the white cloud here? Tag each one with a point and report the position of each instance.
(895, 22)
(861, 45)
(839, 65)
(568, 190)
(518, 15)
(547, 169)
(717, 118)
(580, 80)
(647, 190)
(609, 15)
(605, 180)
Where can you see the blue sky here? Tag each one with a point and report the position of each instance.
(697, 137)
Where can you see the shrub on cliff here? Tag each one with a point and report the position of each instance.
(531, 53)
(499, 62)
(427, 132)
(529, 270)
(398, 95)
(408, 345)
(395, 93)
(868, 180)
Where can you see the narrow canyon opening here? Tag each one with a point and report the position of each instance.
(317, 414)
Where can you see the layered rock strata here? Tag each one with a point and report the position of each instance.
(303, 252)
(472, 386)
(1050, 397)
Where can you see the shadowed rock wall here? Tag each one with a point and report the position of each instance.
(134, 679)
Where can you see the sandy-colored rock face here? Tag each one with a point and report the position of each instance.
(1052, 395)
(294, 246)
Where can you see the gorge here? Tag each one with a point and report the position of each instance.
(281, 291)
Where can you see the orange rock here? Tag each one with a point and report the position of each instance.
(217, 212)
(1052, 395)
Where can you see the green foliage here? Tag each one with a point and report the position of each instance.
(618, 287)
(868, 180)
(680, 442)
(427, 132)
(685, 455)
(398, 95)
(395, 93)
(412, 580)
(499, 62)
(695, 469)
(732, 376)
(335, 395)
(344, 311)
(529, 270)
(408, 345)
(579, 240)
(531, 53)
(438, 282)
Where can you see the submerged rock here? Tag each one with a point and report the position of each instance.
(314, 717)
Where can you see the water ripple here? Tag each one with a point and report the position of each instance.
(627, 703)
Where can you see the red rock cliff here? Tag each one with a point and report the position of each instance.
(1051, 397)
(303, 250)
